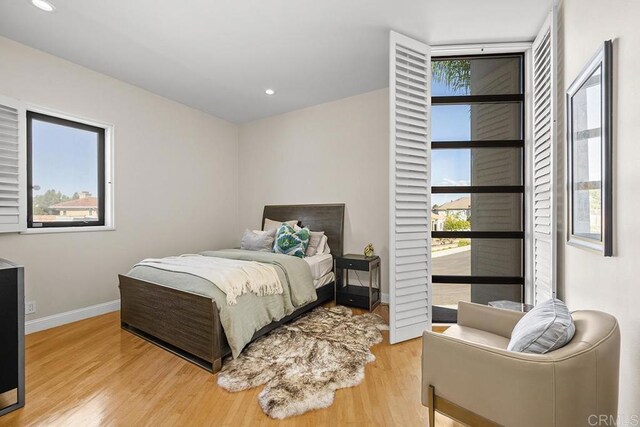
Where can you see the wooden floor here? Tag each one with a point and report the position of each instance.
(92, 373)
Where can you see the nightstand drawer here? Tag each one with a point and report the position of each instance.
(355, 296)
(353, 264)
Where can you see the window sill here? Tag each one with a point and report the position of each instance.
(68, 229)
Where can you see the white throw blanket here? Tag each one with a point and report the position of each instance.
(233, 277)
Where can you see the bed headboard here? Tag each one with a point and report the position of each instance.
(327, 218)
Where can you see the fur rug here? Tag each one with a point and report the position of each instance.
(303, 363)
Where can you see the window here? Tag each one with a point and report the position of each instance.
(477, 177)
(65, 173)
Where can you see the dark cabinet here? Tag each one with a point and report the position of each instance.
(11, 336)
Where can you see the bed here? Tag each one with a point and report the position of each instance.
(189, 324)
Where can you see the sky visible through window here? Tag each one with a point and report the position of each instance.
(64, 159)
(449, 123)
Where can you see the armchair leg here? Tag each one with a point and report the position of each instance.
(432, 408)
(451, 410)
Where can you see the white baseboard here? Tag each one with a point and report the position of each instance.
(60, 319)
(384, 298)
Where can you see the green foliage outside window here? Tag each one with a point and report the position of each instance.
(453, 222)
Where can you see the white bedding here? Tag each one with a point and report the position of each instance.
(320, 265)
(324, 280)
(231, 276)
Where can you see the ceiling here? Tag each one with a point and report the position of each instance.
(219, 56)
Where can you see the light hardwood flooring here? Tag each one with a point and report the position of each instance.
(92, 373)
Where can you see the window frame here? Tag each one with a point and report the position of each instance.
(521, 143)
(105, 173)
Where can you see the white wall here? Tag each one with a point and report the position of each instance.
(592, 281)
(330, 153)
(175, 181)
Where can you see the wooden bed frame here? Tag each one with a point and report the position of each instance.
(188, 324)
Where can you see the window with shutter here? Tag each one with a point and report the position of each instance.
(409, 241)
(13, 195)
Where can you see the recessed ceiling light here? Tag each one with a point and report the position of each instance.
(270, 91)
(43, 5)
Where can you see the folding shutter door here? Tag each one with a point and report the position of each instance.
(410, 201)
(13, 196)
(543, 163)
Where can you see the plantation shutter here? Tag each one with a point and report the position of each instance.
(543, 163)
(13, 158)
(410, 198)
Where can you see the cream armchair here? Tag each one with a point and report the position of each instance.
(468, 374)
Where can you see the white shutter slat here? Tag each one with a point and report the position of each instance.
(543, 169)
(412, 160)
(411, 206)
(410, 113)
(410, 167)
(405, 244)
(415, 322)
(410, 47)
(419, 297)
(420, 109)
(410, 290)
(412, 313)
(13, 198)
(408, 287)
(412, 305)
(404, 228)
(412, 92)
(410, 136)
(409, 225)
(406, 237)
(406, 78)
(411, 122)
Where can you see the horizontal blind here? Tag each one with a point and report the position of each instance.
(409, 240)
(12, 166)
(543, 163)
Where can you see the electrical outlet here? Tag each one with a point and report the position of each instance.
(30, 307)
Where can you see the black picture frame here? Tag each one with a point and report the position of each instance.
(589, 125)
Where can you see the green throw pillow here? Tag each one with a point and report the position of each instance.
(291, 242)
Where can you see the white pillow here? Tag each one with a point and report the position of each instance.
(323, 247)
(258, 241)
(315, 239)
(261, 231)
(270, 224)
(547, 327)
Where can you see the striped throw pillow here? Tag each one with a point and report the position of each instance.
(547, 327)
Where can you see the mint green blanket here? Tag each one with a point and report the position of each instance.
(252, 312)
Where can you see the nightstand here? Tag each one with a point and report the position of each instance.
(367, 297)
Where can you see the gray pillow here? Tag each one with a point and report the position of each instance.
(314, 243)
(258, 241)
(547, 327)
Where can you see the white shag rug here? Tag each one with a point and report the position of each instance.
(303, 363)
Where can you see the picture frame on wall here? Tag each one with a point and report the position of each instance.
(589, 154)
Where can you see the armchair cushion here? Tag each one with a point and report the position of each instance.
(547, 327)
